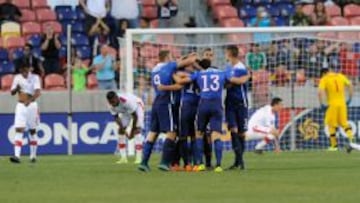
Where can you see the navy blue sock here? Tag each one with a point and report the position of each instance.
(147, 149)
(207, 152)
(168, 151)
(184, 151)
(241, 151)
(192, 151)
(218, 151)
(199, 150)
(235, 141)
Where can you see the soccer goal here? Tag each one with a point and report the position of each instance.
(284, 62)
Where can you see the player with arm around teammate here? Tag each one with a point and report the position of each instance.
(126, 107)
(27, 87)
(162, 119)
(262, 125)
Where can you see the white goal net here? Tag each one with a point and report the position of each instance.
(284, 62)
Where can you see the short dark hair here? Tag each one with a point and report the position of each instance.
(275, 101)
(323, 71)
(110, 95)
(205, 63)
(29, 45)
(163, 54)
(234, 50)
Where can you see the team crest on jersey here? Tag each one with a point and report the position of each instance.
(309, 129)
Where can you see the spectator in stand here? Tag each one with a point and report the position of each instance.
(50, 46)
(95, 11)
(299, 18)
(105, 65)
(255, 59)
(120, 32)
(99, 35)
(262, 19)
(79, 73)
(9, 12)
(166, 10)
(28, 58)
(272, 56)
(125, 9)
(319, 16)
(144, 24)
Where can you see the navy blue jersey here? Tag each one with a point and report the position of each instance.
(162, 75)
(237, 94)
(190, 94)
(211, 82)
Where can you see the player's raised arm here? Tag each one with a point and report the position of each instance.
(187, 60)
(182, 78)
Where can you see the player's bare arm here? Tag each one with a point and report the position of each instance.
(190, 59)
(173, 87)
(119, 123)
(16, 90)
(181, 78)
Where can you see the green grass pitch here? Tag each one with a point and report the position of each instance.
(314, 177)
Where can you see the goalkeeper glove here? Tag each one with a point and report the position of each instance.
(348, 101)
(323, 107)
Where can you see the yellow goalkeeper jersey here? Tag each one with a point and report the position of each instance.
(334, 86)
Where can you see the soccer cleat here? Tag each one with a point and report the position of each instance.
(176, 168)
(188, 168)
(201, 167)
(164, 167)
(122, 161)
(232, 168)
(33, 160)
(349, 149)
(144, 168)
(14, 160)
(218, 169)
(332, 149)
(258, 151)
(195, 168)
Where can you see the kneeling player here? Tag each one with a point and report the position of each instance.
(262, 125)
(27, 86)
(126, 107)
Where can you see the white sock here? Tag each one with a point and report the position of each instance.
(355, 146)
(122, 146)
(18, 144)
(33, 145)
(138, 145)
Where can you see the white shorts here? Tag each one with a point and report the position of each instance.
(259, 132)
(126, 119)
(27, 116)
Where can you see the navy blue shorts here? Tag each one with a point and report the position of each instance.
(237, 117)
(187, 116)
(162, 118)
(210, 112)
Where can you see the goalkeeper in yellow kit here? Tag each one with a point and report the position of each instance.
(333, 87)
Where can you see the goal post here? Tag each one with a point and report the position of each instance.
(284, 61)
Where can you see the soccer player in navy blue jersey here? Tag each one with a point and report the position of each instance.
(162, 116)
(211, 82)
(236, 105)
(187, 114)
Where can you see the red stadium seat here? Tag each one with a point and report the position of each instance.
(236, 38)
(308, 9)
(31, 28)
(348, 36)
(14, 42)
(56, 26)
(39, 4)
(27, 15)
(149, 2)
(327, 35)
(149, 12)
(54, 82)
(45, 14)
(213, 3)
(231, 22)
(221, 12)
(355, 20)
(333, 10)
(22, 3)
(6, 82)
(351, 10)
(92, 82)
(336, 21)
